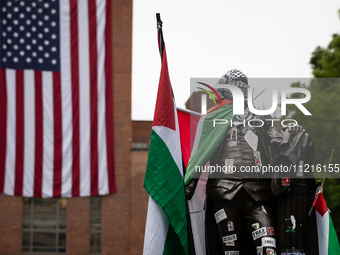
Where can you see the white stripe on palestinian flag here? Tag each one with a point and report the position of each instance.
(172, 140)
(322, 227)
(156, 228)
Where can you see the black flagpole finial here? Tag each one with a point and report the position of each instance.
(160, 34)
(159, 21)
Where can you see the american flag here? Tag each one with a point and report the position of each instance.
(56, 108)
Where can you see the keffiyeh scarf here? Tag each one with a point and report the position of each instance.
(240, 80)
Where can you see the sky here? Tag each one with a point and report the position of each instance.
(205, 39)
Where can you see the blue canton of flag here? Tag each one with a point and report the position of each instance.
(30, 35)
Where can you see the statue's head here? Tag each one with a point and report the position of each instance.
(236, 78)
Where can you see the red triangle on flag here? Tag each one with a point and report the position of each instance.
(320, 204)
(165, 111)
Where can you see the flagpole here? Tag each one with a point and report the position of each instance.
(160, 34)
(321, 187)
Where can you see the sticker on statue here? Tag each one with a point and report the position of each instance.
(259, 250)
(229, 166)
(256, 225)
(251, 139)
(285, 181)
(229, 238)
(271, 231)
(229, 243)
(257, 158)
(259, 233)
(270, 252)
(220, 215)
(230, 226)
(268, 242)
(232, 144)
(232, 253)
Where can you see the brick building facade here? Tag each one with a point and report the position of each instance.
(116, 224)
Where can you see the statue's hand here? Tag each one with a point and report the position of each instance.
(189, 190)
(293, 129)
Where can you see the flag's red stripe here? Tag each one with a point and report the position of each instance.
(75, 96)
(92, 13)
(58, 135)
(320, 204)
(39, 124)
(3, 127)
(20, 127)
(109, 99)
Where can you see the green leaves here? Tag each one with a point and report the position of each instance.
(324, 124)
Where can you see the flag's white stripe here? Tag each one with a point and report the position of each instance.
(66, 94)
(48, 132)
(11, 138)
(103, 184)
(29, 133)
(156, 229)
(172, 140)
(84, 96)
(322, 223)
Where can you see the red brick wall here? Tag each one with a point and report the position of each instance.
(141, 131)
(116, 208)
(139, 201)
(78, 225)
(10, 225)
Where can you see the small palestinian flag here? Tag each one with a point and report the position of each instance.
(321, 238)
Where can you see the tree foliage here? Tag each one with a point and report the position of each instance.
(325, 62)
(324, 124)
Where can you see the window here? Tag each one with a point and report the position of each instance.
(139, 147)
(95, 225)
(44, 225)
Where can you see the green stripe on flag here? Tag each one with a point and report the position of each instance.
(333, 243)
(172, 244)
(211, 138)
(164, 182)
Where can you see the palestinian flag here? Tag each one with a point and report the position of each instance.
(187, 128)
(209, 137)
(321, 236)
(166, 224)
